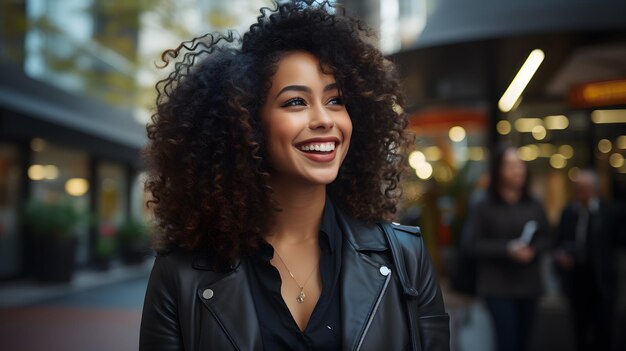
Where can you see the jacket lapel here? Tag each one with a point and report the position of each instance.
(230, 302)
(363, 280)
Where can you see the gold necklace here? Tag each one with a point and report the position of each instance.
(301, 295)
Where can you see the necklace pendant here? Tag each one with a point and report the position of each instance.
(301, 296)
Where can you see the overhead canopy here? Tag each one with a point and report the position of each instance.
(454, 21)
(30, 97)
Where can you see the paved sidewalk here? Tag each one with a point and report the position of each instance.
(28, 292)
(97, 311)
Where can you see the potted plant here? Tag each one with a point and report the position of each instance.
(105, 247)
(53, 240)
(133, 240)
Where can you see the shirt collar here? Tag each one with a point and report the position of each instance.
(329, 227)
(328, 237)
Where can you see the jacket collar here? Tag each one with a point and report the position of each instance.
(363, 280)
(361, 235)
(228, 299)
(362, 284)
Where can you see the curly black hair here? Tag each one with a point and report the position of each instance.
(207, 167)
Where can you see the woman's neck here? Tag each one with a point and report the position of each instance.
(301, 215)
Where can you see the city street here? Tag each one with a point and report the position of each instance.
(106, 316)
(100, 319)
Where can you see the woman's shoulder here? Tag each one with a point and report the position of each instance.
(178, 260)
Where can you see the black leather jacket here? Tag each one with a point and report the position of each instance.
(189, 307)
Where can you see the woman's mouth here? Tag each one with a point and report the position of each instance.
(326, 147)
(319, 151)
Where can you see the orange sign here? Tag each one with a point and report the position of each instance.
(596, 94)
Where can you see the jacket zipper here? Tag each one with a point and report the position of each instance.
(371, 317)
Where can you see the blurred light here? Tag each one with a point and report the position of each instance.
(528, 152)
(556, 122)
(36, 172)
(608, 116)
(546, 150)
(573, 173)
(77, 186)
(389, 26)
(616, 160)
(397, 108)
(37, 144)
(424, 171)
(620, 143)
(503, 127)
(526, 125)
(519, 83)
(51, 172)
(539, 132)
(443, 174)
(602, 93)
(558, 161)
(432, 153)
(476, 153)
(416, 158)
(456, 133)
(604, 145)
(567, 151)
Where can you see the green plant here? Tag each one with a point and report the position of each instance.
(131, 232)
(105, 247)
(53, 220)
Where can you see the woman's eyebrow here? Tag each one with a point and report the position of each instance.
(301, 88)
(331, 86)
(305, 89)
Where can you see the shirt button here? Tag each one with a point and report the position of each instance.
(384, 270)
(207, 293)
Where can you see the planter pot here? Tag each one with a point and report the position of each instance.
(134, 253)
(102, 264)
(56, 259)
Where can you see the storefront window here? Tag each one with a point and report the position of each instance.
(58, 173)
(9, 204)
(112, 196)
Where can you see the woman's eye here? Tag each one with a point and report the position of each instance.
(294, 102)
(336, 101)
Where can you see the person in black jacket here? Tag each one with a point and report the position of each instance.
(507, 231)
(585, 256)
(273, 161)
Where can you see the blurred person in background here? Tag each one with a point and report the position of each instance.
(258, 196)
(508, 229)
(585, 258)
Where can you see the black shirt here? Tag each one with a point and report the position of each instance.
(279, 330)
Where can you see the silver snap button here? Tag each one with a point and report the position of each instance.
(384, 270)
(207, 294)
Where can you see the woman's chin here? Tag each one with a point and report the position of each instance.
(321, 178)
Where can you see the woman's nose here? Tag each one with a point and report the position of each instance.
(320, 118)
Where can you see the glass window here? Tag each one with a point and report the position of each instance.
(56, 173)
(112, 190)
(9, 201)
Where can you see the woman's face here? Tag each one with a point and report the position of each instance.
(512, 170)
(306, 124)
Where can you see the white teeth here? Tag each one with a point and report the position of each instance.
(322, 147)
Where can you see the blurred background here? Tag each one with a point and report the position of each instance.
(77, 88)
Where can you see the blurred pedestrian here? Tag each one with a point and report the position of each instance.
(585, 258)
(273, 232)
(508, 230)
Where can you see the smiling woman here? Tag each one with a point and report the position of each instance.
(306, 123)
(274, 160)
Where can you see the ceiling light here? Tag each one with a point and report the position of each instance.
(521, 80)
